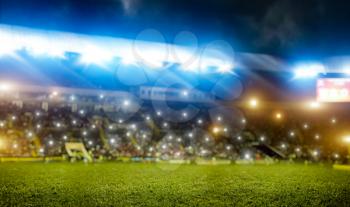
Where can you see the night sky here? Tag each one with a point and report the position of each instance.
(286, 28)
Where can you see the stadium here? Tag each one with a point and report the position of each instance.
(100, 120)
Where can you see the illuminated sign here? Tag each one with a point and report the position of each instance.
(333, 90)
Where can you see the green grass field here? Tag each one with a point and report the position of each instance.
(117, 184)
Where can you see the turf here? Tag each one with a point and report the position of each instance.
(117, 184)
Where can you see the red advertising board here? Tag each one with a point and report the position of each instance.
(333, 90)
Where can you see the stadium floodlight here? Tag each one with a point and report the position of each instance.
(102, 50)
(308, 70)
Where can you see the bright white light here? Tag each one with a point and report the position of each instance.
(314, 105)
(93, 126)
(305, 126)
(297, 149)
(179, 139)
(239, 138)
(144, 136)
(58, 125)
(150, 149)
(225, 129)
(41, 150)
(333, 120)
(292, 134)
(262, 138)
(110, 127)
(219, 118)
(133, 126)
(336, 156)
(247, 156)
(308, 70)
(128, 134)
(95, 55)
(126, 102)
(185, 93)
(216, 130)
(101, 96)
(190, 134)
(84, 133)
(317, 137)
(165, 124)
(30, 134)
(90, 142)
(170, 137)
(72, 98)
(159, 113)
(346, 139)
(148, 118)
(37, 113)
(38, 126)
(112, 141)
(65, 137)
(207, 139)
(253, 103)
(283, 146)
(13, 118)
(120, 121)
(50, 142)
(5, 87)
(243, 121)
(74, 122)
(82, 112)
(54, 93)
(315, 153)
(2, 124)
(200, 121)
(228, 147)
(184, 114)
(164, 146)
(15, 146)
